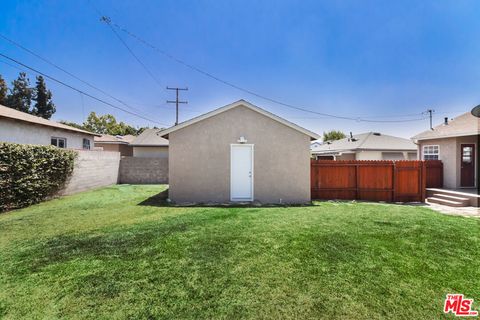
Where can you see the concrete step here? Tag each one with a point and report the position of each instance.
(473, 198)
(445, 202)
(463, 200)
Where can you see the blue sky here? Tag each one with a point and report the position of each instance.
(380, 60)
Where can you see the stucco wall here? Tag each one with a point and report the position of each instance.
(93, 169)
(369, 155)
(125, 150)
(25, 133)
(199, 159)
(346, 156)
(150, 152)
(143, 170)
(449, 157)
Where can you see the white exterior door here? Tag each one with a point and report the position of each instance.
(241, 172)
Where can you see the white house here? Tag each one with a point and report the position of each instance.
(21, 127)
(366, 146)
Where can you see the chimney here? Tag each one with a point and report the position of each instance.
(446, 121)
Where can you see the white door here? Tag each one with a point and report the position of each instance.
(241, 172)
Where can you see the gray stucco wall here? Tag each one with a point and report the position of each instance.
(93, 169)
(143, 170)
(450, 156)
(199, 159)
(150, 152)
(26, 133)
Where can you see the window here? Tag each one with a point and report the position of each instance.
(86, 144)
(467, 154)
(431, 152)
(58, 142)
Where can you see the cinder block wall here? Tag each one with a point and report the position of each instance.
(136, 170)
(93, 169)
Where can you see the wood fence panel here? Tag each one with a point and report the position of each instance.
(391, 181)
(408, 181)
(375, 180)
(434, 173)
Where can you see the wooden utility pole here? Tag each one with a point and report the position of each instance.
(430, 112)
(177, 101)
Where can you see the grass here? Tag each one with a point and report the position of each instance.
(109, 253)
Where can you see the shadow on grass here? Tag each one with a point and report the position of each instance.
(161, 200)
(126, 243)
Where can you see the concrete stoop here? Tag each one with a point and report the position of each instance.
(452, 198)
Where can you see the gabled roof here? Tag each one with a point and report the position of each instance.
(366, 141)
(150, 138)
(463, 125)
(239, 103)
(106, 138)
(6, 112)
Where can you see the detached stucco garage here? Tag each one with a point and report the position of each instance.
(239, 152)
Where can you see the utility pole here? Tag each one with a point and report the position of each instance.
(177, 101)
(430, 112)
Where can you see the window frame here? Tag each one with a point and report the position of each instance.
(426, 146)
(57, 144)
(89, 144)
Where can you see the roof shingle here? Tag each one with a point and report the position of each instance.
(10, 113)
(463, 125)
(367, 141)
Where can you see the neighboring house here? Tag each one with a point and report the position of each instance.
(150, 144)
(456, 144)
(115, 143)
(21, 127)
(315, 144)
(366, 146)
(241, 153)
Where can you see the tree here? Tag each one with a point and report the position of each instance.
(73, 124)
(44, 106)
(20, 97)
(107, 124)
(3, 91)
(333, 135)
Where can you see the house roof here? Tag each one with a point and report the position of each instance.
(239, 103)
(366, 141)
(150, 138)
(6, 112)
(106, 138)
(463, 125)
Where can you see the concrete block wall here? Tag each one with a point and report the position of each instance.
(93, 169)
(136, 170)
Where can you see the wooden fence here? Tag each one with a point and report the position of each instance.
(390, 181)
(434, 174)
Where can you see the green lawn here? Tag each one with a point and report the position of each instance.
(108, 254)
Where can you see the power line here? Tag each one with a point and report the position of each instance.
(107, 21)
(78, 90)
(230, 84)
(68, 73)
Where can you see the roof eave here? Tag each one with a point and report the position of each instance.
(463, 134)
(313, 136)
(149, 145)
(51, 126)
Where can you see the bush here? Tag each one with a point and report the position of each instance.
(30, 174)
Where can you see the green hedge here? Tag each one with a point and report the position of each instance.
(29, 174)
